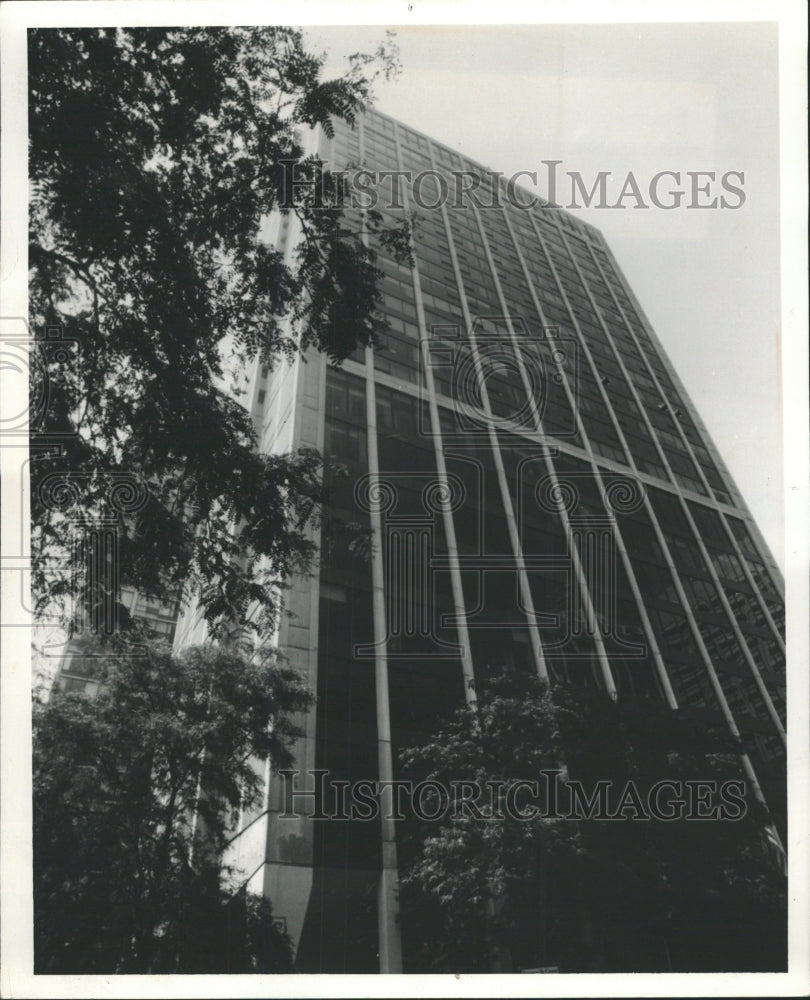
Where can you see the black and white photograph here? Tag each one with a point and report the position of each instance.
(405, 500)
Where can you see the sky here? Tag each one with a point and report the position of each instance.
(640, 98)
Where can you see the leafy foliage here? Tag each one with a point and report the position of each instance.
(127, 850)
(584, 894)
(155, 157)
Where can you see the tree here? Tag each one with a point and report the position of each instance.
(124, 879)
(155, 156)
(584, 894)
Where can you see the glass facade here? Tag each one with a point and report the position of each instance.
(536, 490)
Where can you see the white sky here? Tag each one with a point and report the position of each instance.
(640, 98)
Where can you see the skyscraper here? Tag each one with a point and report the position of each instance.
(525, 483)
(78, 665)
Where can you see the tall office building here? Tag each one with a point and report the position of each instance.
(538, 491)
(78, 664)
